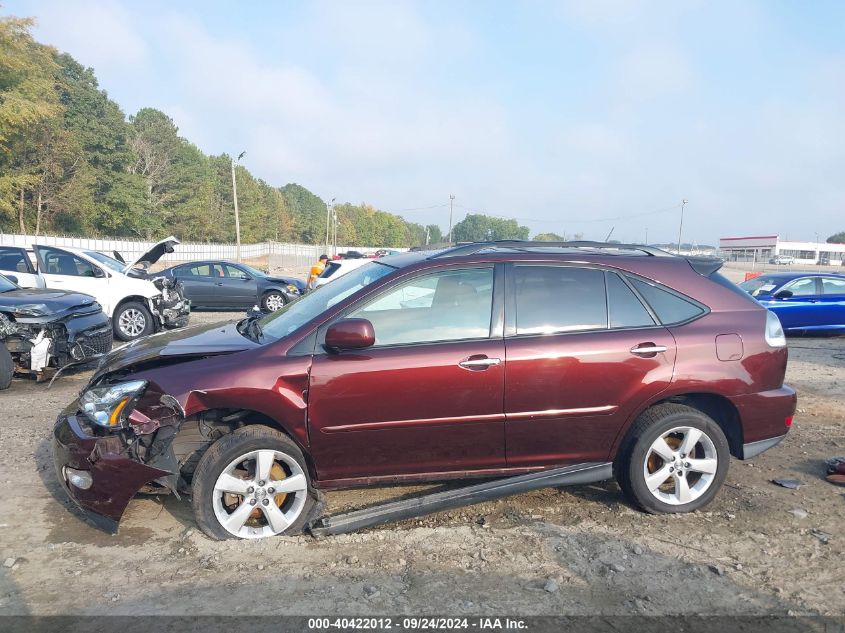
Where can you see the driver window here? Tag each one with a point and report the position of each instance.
(449, 305)
(63, 263)
(802, 287)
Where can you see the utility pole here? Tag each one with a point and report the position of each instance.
(427, 235)
(451, 200)
(646, 236)
(237, 215)
(329, 209)
(334, 237)
(681, 226)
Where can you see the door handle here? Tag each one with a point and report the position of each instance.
(477, 364)
(219, 283)
(644, 349)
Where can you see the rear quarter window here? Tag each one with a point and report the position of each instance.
(669, 307)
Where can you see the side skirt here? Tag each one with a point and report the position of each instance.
(468, 495)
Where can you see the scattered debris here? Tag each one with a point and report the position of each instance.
(370, 591)
(638, 550)
(836, 471)
(792, 484)
(824, 537)
(798, 513)
(551, 585)
(617, 568)
(9, 563)
(717, 569)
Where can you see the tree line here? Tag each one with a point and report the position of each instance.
(71, 162)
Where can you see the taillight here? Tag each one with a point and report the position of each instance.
(789, 421)
(774, 332)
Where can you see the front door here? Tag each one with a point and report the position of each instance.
(236, 289)
(576, 370)
(833, 302)
(802, 307)
(428, 396)
(64, 270)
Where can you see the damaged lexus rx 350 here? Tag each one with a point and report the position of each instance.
(44, 330)
(483, 360)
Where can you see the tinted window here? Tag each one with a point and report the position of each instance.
(448, 305)
(802, 287)
(13, 259)
(559, 299)
(833, 286)
(626, 310)
(669, 307)
(59, 262)
(203, 270)
(330, 269)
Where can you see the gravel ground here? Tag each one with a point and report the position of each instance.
(758, 548)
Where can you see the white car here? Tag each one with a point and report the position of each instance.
(137, 305)
(338, 268)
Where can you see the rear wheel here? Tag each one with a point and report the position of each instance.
(7, 367)
(132, 320)
(674, 459)
(252, 483)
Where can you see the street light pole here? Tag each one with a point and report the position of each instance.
(681, 226)
(451, 200)
(329, 209)
(237, 215)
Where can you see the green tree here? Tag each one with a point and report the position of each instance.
(837, 238)
(549, 237)
(477, 227)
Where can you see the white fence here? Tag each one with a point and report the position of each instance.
(283, 255)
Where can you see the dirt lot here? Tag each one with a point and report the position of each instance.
(579, 550)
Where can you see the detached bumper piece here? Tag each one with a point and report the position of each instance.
(96, 473)
(469, 495)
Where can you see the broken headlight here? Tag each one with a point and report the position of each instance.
(293, 289)
(106, 405)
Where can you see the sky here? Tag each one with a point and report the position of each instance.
(574, 116)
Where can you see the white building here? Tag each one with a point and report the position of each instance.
(761, 248)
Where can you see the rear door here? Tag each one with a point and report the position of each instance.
(199, 282)
(576, 370)
(14, 261)
(427, 397)
(833, 302)
(236, 289)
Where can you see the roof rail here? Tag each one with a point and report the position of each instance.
(474, 247)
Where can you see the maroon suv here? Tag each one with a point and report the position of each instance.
(482, 360)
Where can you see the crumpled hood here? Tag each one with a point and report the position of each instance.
(45, 302)
(287, 281)
(155, 253)
(200, 340)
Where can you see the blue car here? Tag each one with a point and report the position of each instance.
(806, 303)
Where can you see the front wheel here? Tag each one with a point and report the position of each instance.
(132, 320)
(252, 483)
(273, 301)
(674, 459)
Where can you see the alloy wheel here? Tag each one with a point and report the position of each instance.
(680, 465)
(274, 302)
(132, 322)
(259, 494)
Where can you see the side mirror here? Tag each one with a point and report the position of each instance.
(350, 334)
(98, 272)
(783, 294)
(245, 277)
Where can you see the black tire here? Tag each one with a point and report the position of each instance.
(630, 466)
(7, 367)
(276, 295)
(229, 448)
(133, 308)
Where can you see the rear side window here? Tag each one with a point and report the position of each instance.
(13, 259)
(833, 286)
(553, 299)
(330, 269)
(626, 310)
(669, 307)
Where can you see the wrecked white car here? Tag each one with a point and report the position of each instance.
(138, 305)
(42, 331)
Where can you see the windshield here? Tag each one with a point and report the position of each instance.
(253, 271)
(297, 313)
(6, 285)
(109, 262)
(761, 285)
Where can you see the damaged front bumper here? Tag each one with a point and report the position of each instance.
(39, 343)
(171, 307)
(101, 464)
